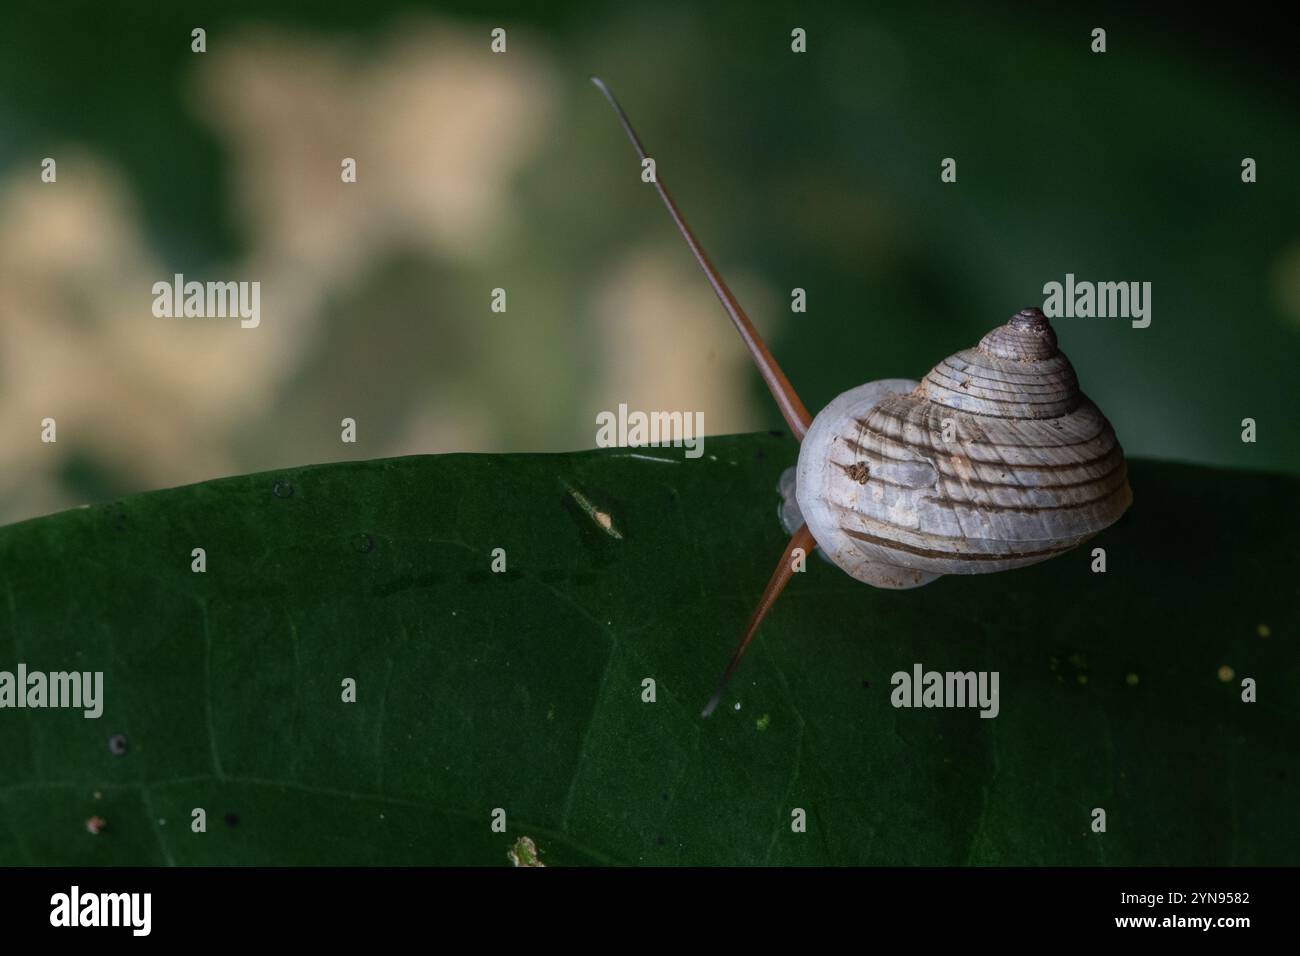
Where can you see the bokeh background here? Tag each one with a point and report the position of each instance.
(479, 170)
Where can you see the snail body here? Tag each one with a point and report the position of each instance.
(995, 460)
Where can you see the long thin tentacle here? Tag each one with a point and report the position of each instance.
(802, 539)
(796, 415)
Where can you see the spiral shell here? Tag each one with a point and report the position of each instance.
(995, 460)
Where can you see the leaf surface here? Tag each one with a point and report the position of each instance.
(523, 690)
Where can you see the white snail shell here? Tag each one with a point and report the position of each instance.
(1032, 469)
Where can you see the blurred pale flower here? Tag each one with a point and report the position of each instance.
(79, 344)
(436, 123)
(438, 128)
(666, 344)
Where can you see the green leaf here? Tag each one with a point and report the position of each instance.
(523, 690)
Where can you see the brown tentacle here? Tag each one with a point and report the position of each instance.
(796, 415)
(780, 578)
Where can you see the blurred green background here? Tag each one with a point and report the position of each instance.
(478, 171)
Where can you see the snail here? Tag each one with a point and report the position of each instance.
(995, 460)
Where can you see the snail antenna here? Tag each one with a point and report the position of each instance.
(780, 578)
(796, 415)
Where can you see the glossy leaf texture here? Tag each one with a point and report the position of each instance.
(524, 690)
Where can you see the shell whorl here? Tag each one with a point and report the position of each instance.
(1016, 371)
(994, 460)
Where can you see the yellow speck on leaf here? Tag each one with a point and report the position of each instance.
(524, 853)
(602, 518)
